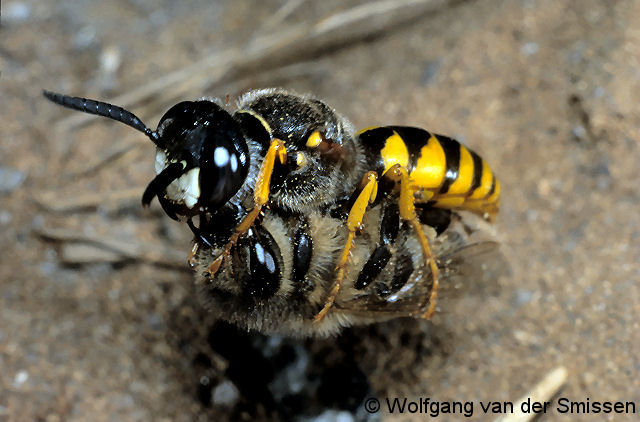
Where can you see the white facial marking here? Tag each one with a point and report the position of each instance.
(260, 253)
(161, 161)
(301, 159)
(234, 163)
(271, 266)
(185, 189)
(221, 156)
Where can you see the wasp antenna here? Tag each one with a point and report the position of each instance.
(101, 109)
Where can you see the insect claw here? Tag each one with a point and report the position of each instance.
(191, 259)
(213, 268)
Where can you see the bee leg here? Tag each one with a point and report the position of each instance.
(199, 239)
(366, 194)
(278, 151)
(191, 258)
(408, 213)
(389, 227)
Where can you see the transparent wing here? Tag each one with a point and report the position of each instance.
(467, 263)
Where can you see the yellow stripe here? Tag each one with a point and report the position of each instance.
(394, 152)
(465, 174)
(449, 202)
(431, 166)
(479, 206)
(485, 183)
(260, 118)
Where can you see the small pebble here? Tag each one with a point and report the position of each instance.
(5, 217)
(599, 91)
(430, 71)
(579, 132)
(84, 37)
(110, 59)
(20, 378)
(530, 48)
(333, 416)
(47, 268)
(226, 394)
(16, 12)
(10, 179)
(523, 297)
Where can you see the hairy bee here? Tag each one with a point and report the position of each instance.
(302, 225)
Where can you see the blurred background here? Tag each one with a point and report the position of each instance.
(98, 318)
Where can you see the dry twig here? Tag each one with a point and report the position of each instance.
(57, 203)
(542, 392)
(289, 45)
(78, 248)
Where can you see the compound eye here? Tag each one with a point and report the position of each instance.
(224, 162)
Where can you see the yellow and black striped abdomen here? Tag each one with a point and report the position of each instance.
(443, 172)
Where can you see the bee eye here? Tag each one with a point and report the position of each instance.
(224, 163)
(207, 139)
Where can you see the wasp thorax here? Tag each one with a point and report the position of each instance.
(202, 158)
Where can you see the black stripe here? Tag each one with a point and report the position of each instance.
(429, 204)
(376, 263)
(477, 172)
(302, 252)
(493, 186)
(414, 138)
(451, 149)
(373, 140)
(438, 218)
(375, 137)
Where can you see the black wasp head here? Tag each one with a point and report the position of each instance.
(202, 158)
(209, 152)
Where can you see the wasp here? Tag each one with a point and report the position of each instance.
(301, 224)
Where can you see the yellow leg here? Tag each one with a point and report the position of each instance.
(368, 192)
(260, 198)
(191, 259)
(408, 213)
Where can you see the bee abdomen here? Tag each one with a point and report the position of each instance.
(443, 172)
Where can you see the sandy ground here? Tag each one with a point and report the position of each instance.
(546, 91)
